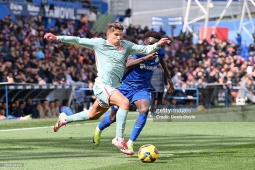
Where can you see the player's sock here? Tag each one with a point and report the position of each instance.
(138, 126)
(121, 118)
(106, 122)
(130, 141)
(84, 115)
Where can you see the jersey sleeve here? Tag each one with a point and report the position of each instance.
(132, 57)
(141, 49)
(161, 53)
(85, 42)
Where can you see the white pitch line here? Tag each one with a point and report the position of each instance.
(32, 128)
(45, 127)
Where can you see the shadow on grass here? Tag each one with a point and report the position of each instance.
(170, 147)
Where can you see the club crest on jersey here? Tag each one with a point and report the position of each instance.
(157, 60)
(120, 48)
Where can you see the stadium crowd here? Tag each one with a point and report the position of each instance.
(25, 57)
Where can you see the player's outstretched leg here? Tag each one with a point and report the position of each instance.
(63, 119)
(106, 122)
(61, 122)
(93, 114)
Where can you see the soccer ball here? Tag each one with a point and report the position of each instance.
(148, 153)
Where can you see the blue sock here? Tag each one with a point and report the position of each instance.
(138, 126)
(106, 122)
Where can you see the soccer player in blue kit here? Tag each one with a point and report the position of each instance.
(136, 87)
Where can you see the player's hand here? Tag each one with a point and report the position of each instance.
(164, 41)
(170, 88)
(151, 56)
(50, 36)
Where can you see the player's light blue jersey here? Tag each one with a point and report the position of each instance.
(139, 76)
(110, 60)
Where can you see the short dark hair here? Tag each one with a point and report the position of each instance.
(153, 34)
(112, 26)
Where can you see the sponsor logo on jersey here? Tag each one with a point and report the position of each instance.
(143, 66)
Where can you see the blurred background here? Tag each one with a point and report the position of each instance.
(211, 55)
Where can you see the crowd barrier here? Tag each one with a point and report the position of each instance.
(12, 91)
(196, 97)
(9, 92)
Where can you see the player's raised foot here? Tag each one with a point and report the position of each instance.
(131, 147)
(96, 137)
(122, 145)
(61, 122)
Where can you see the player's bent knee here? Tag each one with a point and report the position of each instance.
(144, 110)
(124, 104)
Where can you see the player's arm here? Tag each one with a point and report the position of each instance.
(146, 49)
(168, 77)
(133, 60)
(85, 42)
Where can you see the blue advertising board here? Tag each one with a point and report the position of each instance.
(45, 10)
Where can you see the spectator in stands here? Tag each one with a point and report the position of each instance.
(162, 32)
(44, 110)
(52, 111)
(2, 113)
(89, 96)
(65, 108)
(20, 40)
(42, 80)
(56, 106)
(158, 82)
(19, 111)
(4, 107)
(28, 106)
(12, 108)
(10, 78)
(36, 111)
(184, 93)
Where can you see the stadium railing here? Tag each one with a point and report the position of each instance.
(196, 97)
(12, 91)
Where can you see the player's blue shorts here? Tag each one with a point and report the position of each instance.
(133, 95)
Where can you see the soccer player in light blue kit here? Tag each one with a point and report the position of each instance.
(136, 87)
(110, 60)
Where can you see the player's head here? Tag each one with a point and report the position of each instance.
(151, 37)
(114, 32)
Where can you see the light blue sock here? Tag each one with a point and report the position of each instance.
(121, 118)
(81, 116)
(138, 126)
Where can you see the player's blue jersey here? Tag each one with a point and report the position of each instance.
(139, 76)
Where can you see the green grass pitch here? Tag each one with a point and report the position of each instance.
(181, 145)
